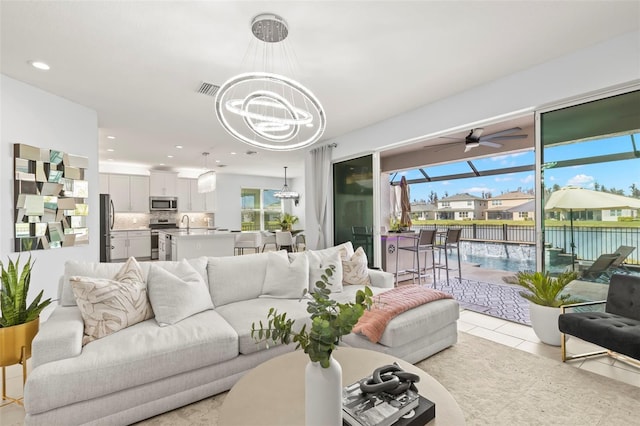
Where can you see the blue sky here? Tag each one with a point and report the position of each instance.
(618, 174)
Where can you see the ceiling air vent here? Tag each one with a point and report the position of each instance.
(208, 89)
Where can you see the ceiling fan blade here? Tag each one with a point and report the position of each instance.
(476, 133)
(493, 144)
(503, 138)
(503, 132)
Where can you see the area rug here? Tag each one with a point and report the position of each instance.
(497, 300)
(495, 385)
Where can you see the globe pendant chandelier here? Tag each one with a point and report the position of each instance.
(266, 109)
(207, 180)
(285, 193)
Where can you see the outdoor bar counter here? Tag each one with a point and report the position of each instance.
(389, 246)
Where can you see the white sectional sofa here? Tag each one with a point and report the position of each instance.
(147, 369)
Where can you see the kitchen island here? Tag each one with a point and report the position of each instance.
(177, 244)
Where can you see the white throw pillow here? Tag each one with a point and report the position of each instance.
(109, 305)
(318, 263)
(176, 292)
(355, 270)
(284, 280)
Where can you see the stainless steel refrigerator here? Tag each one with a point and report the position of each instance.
(107, 215)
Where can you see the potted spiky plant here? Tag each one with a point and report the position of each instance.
(19, 322)
(545, 295)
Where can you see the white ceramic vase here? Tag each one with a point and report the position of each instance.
(323, 394)
(544, 320)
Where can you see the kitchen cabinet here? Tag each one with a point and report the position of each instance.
(190, 200)
(139, 244)
(118, 245)
(125, 244)
(164, 184)
(129, 193)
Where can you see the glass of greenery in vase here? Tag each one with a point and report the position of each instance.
(330, 321)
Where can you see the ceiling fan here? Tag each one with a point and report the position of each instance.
(474, 139)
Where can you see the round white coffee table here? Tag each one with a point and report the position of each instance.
(273, 392)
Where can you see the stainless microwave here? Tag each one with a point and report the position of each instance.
(163, 204)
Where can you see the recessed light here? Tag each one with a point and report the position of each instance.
(217, 161)
(169, 156)
(162, 164)
(110, 159)
(40, 65)
(232, 153)
(179, 146)
(110, 149)
(111, 137)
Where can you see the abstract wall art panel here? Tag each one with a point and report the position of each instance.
(50, 198)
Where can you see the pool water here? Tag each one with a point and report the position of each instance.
(499, 263)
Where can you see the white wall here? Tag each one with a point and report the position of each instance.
(597, 68)
(34, 117)
(228, 205)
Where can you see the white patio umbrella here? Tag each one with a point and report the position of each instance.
(573, 198)
(394, 195)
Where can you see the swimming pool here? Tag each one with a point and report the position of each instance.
(500, 263)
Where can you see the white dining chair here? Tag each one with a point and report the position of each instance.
(268, 238)
(285, 239)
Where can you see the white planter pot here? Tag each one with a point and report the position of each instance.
(544, 320)
(323, 394)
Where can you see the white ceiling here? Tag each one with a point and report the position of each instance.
(138, 64)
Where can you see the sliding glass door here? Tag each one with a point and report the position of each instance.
(353, 203)
(591, 184)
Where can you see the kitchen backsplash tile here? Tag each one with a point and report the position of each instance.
(131, 220)
(141, 220)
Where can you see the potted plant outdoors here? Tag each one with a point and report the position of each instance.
(287, 221)
(19, 323)
(545, 296)
(330, 321)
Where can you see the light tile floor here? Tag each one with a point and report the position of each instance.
(504, 332)
(522, 337)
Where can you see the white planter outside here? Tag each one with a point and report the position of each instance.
(544, 320)
(323, 394)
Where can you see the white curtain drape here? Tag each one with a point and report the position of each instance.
(320, 174)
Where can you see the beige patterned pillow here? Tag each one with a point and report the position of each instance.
(109, 305)
(355, 270)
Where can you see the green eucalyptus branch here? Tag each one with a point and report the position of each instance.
(330, 321)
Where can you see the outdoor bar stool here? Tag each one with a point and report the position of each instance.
(451, 242)
(424, 243)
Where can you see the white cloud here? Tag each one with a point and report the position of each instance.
(478, 190)
(503, 179)
(528, 179)
(582, 180)
(551, 178)
(445, 182)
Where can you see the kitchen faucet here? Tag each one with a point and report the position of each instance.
(182, 220)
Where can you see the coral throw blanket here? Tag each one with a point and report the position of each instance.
(392, 303)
